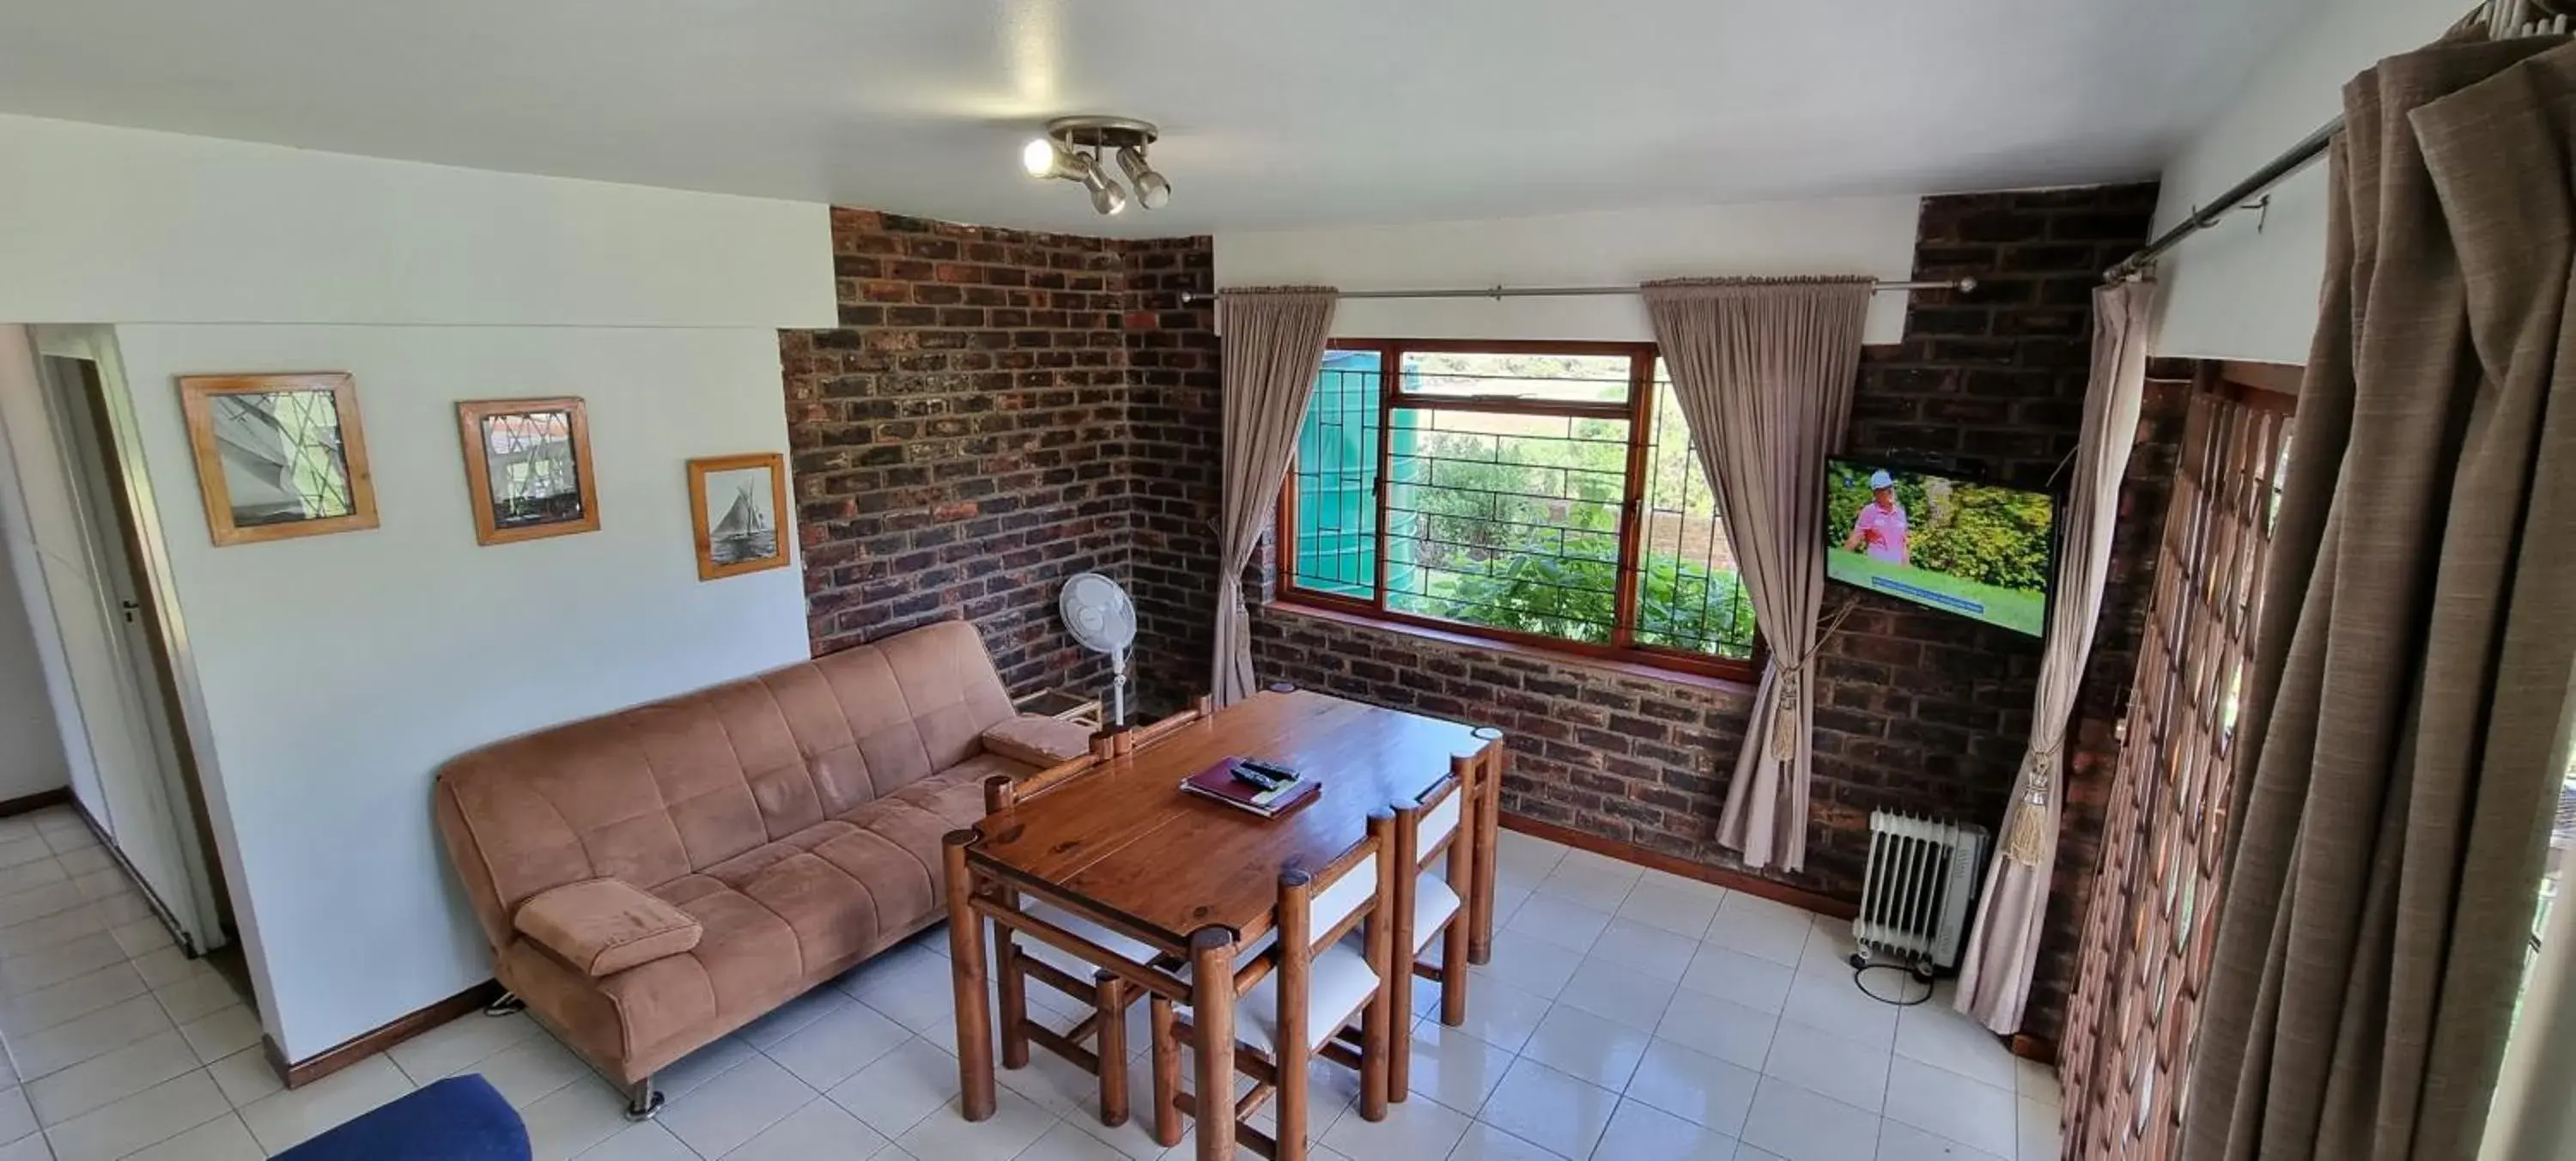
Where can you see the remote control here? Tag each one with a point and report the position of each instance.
(1249, 774)
(1273, 769)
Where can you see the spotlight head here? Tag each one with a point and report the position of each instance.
(1153, 191)
(1046, 157)
(1106, 197)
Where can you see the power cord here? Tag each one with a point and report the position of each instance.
(1860, 974)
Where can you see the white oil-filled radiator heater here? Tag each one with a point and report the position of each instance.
(1915, 899)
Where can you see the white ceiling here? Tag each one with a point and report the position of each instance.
(1276, 113)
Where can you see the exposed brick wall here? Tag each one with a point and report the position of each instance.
(1918, 710)
(1625, 756)
(1000, 409)
(959, 438)
(1172, 445)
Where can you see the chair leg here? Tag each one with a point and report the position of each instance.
(1373, 1056)
(1453, 972)
(508, 1004)
(1399, 1027)
(1110, 998)
(1291, 1100)
(1167, 1071)
(1013, 984)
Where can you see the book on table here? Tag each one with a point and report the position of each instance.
(1223, 783)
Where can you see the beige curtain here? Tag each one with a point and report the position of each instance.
(2418, 632)
(2003, 948)
(1273, 346)
(1764, 373)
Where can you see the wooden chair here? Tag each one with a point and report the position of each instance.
(1098, 1042)
(1437, 829)
(1296, 1000)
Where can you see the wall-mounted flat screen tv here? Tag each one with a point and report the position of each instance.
(1974, 549)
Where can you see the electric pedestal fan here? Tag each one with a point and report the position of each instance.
(1096, 611)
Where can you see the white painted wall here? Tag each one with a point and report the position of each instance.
(31, 756)
(127, 225)
(1873, 236)
(337, 672)
(2247, 288)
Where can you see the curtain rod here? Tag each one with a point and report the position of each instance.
(2493, 20)
(1500, 292)
(2299, 156)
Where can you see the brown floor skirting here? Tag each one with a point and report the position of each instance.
(366, 1044)
(30, 803)
(2037, 1048)
(1730, 879)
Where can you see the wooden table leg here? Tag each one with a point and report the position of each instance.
(966, 960)
(1212, 1016)
(1488, 818)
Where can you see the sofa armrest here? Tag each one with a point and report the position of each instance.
(605, 926)
(1039, 741)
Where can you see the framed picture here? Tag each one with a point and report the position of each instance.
(527, 466)
(278, 456)
(735, 503)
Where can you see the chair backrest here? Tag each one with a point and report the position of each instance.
(1325, 904)
(658, 791)
(1001, 792)
(1435, 822)
(1316, 909)
(1128, 741)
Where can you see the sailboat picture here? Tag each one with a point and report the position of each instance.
(278, 455)
(747, 531)
(736, 502)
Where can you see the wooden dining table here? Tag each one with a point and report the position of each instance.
(1196, 880)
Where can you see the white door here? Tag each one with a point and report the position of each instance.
(118, 735)
(142, 812)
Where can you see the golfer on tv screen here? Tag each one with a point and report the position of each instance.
(1976, 549)
(1879, 530)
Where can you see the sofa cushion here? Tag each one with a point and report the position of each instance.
(604, 926)
(1038, 740)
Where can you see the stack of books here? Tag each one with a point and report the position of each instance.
(1248, 784)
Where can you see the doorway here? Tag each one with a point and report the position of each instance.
(117, 672)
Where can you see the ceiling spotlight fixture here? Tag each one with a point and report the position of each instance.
(1072, 150)
(1047, 157)
(1153, 190)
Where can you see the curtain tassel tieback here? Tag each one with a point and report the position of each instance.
(1784, 715)
(2026, 833)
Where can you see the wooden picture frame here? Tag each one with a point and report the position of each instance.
(274, 460)
(540, 442)
(740, 538)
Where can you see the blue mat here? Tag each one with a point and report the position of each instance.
(460, 1118)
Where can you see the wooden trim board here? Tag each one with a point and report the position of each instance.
(366, 1044)
(1732, 880)
(31, 803)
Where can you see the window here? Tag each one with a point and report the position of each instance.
(1536, 493)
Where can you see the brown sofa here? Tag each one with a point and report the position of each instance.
(704, 859)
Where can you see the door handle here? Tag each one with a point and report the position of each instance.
(130, 609)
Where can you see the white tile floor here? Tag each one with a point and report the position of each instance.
(1627, 1015)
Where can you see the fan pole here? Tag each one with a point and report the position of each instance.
(1118, 689)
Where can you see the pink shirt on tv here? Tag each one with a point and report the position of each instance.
(1882, 532)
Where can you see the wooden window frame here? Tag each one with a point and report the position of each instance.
(1638, 411)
